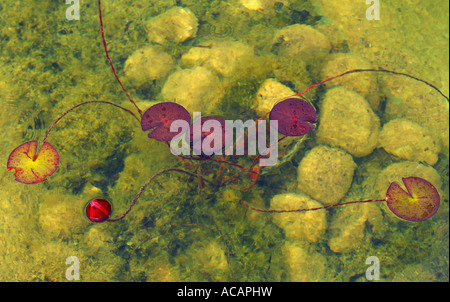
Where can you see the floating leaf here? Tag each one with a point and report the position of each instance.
(419, 202)
(295, 117)
(159, 117)
(31, 167)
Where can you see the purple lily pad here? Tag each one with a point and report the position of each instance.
(419, 202)
(295, 117)
(159, 117)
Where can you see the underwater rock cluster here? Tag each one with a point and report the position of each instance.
(230, 60)
(356, 151)
(419, 104)
(350, 124)
(198, 86)
(364, 83)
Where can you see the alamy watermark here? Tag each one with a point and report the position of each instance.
(373, 271)
(73, 271)
(209, 138)
(73, 11)
(373, 12)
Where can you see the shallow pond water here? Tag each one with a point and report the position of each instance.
(231, 59)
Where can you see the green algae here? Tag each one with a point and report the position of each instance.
(49, 64)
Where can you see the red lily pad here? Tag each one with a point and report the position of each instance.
(30, 166)
(295, 117)
(159, 117)
(419, 202)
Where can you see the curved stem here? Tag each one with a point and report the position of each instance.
(250, 170)
(268, 148)
(110, 62)
(133, 202)
(373, 70)
(310, 209)
(227, 162)
(79, 105)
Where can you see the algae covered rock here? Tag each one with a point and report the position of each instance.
(177, 24)
(348, 121)
(408, 140)
(147, 64)
(304, 265)
(348, 226)
(309, 226)
(293, 71)
(303, 41)
(195, 56)
(270, 92)
(197, 89)
(227, 58)
(262, 5)
(326, 174)
(365, 83)
(406, 98)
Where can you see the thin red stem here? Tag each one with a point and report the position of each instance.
(259, 155)
(211, 159)
(222, 167)
(110, 62)
(135, 199)
(373, 70)
(249, 170)
(310, 209)
(234, 146)
(228, 163)
(79, 105)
